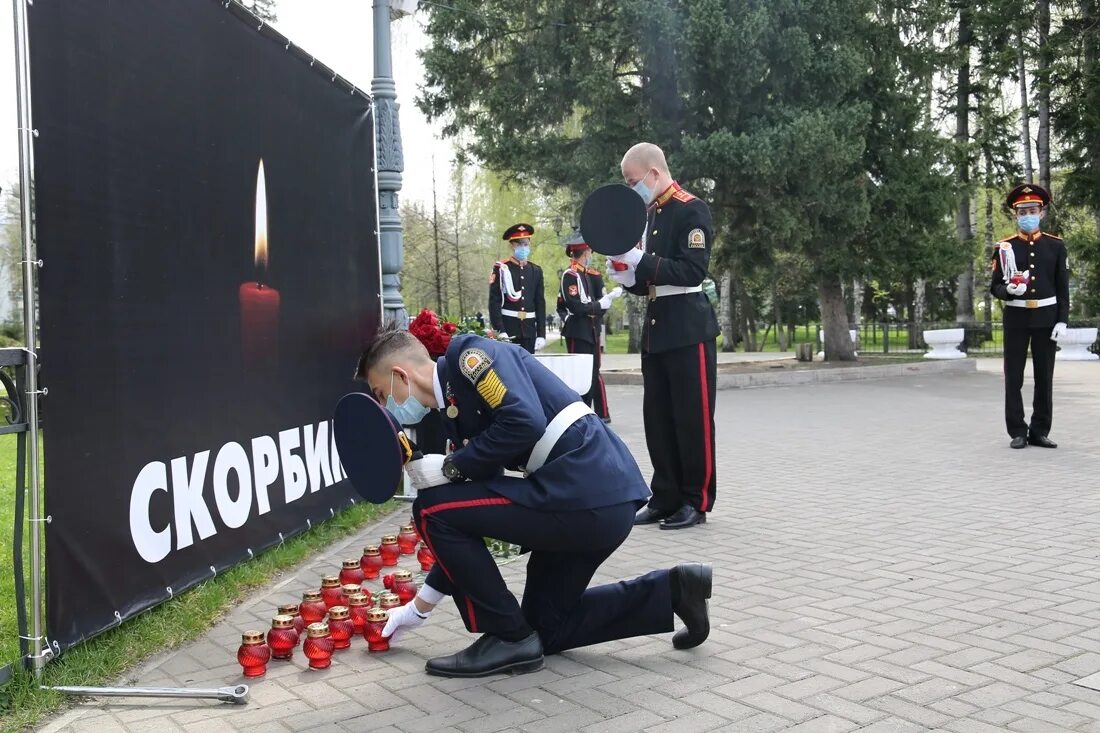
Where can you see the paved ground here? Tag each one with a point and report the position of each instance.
(884, 563)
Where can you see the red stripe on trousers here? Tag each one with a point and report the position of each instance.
(705, 503)
(466, 504)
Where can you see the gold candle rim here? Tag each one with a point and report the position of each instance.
(351, 564)
(289, 609)
(311, 596)
(357, 599)
(338, 612)
(402, 574)
(252, 637)
(389, 539)
(282, 621)
(371, 550)
(330, 581)
(317, 630)
(377, 614)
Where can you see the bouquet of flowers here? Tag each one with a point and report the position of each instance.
(433, 332)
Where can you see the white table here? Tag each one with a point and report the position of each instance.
(573, 369)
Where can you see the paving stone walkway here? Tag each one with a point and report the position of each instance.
(883, 563)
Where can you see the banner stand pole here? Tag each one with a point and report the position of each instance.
(41, 652)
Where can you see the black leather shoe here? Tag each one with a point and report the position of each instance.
(490, 655)
(1042, 441)
(686, 516)
(646, 515)
(1019, 442)
(694, 580)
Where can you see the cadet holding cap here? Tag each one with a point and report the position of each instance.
(517, 304)
(1031, 276)
(582, 302)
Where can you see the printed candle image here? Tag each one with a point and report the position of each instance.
(260, 301)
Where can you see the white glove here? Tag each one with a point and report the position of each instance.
(605, 301)
(427, 472)
(626, 278)
(402, 619)
(540, 343)
(631, 257)
(1058, 332)
(616, 293)
(501, 336)
(1016, 289)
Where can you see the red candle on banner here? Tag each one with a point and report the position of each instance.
(291, 609)
(351, 572)
(358, 606)
(312, 608)
(391, 552)
(425, 557)
(403, 586)
(371, 562)
(376, 621)
(407, 539)
(319, 646)
(330, 591)
(282, 638)
(340, 626)
(259, 301)
(253, 654)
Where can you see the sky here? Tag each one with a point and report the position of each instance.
(339, 33)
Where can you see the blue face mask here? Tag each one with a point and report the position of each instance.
(1028, 223)
(643, 190)
(522, 253)
(409, 412)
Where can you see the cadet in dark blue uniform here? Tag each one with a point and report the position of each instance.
(582, 303)
(1030, 275)
(517, 303)
(574, 507)
(679, 361)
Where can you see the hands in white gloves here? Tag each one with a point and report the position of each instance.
(1017, 290)
(631, 257)
(427, 472)
(540, 342)
(502, 336)
(616, 293)
(625, 278)
(1058, 332)
(410, 616)
(605, 301)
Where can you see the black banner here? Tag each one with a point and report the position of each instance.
(206, 212)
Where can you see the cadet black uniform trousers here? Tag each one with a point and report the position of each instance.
(1043, 350)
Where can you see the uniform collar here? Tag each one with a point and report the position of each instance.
(668, 193)
(577, 267)
(512, 260)
(437, 386)
(1034, 237)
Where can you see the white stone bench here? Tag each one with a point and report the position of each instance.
(821, 339)
(944, 343)
(1074, 346)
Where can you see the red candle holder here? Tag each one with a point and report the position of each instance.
(291, 609)
(358, 606)
(318, 646)
(253, 654)
(407, 539)
(376, 621)
(312, 608)
(340, 626)
(351, 573)
(282, 638)
(403, 586)
(391, 551)
(371, 562)
(426, 557)
(388, 601)
(330, 591)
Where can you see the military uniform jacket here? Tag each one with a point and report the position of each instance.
(502, 400)
(679, 237)
(1044, 257)
(521, 291)
(579, 303)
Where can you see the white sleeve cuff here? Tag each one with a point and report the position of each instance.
(430, 595)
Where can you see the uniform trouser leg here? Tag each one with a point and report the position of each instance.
(658, 400)
(567, 548)
(695, 370)
(1043, 352)
(528, 344)
(1016, 342)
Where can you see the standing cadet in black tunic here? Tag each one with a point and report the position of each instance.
(517, 303)
(679, 361)
(1031, 277)
(582, 303)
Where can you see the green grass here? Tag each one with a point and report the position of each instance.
(103, 658)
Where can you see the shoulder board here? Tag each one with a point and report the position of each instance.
(593, 271)
(499, 264)
(683, 195)
(1052, 236)
(570, 271)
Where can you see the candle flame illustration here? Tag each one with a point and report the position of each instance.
(261, 220)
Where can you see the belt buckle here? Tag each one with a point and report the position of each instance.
(652, 293)
(1032, 304)
(522, 315)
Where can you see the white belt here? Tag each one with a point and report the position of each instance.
(522, 315)
(1032, 303)
(660, 291)
(572, 412)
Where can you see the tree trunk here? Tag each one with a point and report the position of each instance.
(725, 312)
(1042, 77)
(435, 244)
(635, 312)
(920, 311)
(748, 317)
(1025, 111)
(964, 291)
(987, 311)
(857, 303)
(458, 253)
(780, 336)
(838, 344)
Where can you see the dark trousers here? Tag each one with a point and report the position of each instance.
(678, 411)
(596, 398)
(528, 344)
(1043, 349)
(566, 549)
